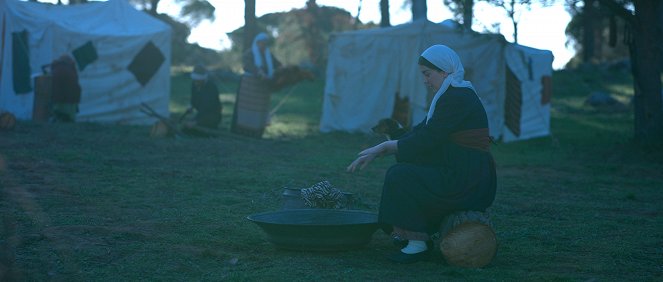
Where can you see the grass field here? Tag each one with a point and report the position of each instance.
(95, 202)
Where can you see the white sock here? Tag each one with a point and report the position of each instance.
(414, 246)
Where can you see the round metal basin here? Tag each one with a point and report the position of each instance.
(317, 229)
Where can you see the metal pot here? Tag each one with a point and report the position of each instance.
(317, 229)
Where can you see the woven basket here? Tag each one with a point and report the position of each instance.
(251, 112)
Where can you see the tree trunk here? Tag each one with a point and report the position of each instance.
(660, 28)
(515, 32)
(646, 67)
(511, 11)
(588, 32)
(612, 41)
(384, 13)
(419, 10)
(358, 13)
(154, 4)
(249, 23)
(468, 5)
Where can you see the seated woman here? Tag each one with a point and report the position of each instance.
(205, 101)
(443, 164)
(66, 91)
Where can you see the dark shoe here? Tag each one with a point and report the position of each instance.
(430, 244)
(401, 257)
(400, 243)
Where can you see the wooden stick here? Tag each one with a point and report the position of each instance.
(273, 111)
(169, 123)
(220, 133)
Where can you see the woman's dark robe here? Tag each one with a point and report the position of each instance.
(434, 176)
(206, 101)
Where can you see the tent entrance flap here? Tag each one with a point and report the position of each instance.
(512, 103)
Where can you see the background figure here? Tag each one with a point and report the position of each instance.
(258, 61)
(251, 112)
(205, 101)
(65, 88)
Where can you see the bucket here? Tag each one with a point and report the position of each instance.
(292, 199)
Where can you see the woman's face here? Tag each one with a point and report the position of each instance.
(433, 78)
(261, 45)
(198, 83)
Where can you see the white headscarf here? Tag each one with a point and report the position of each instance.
(257, 59)
(447, 60)
(199, 73)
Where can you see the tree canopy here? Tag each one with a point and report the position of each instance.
(301, 34)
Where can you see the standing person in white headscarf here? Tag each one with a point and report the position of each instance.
(251, 114)
(258, 61)
(443, 164)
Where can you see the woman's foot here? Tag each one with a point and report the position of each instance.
(413, 252)
(401, 257)
(400, 243)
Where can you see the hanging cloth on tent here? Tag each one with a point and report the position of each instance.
(21, 62)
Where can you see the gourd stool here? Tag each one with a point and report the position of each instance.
(467, 239)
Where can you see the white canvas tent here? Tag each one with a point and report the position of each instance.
(366, 69)
(122, 56)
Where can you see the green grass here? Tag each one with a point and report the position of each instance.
(96, 202)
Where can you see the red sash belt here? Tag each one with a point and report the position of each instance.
(473, 138)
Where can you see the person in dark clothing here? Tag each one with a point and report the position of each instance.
(443, 164)
(204, 101)
(66, 92)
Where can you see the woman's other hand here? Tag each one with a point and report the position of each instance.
(368, 155)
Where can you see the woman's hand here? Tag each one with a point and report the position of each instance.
(261, 74)
(368, 155)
